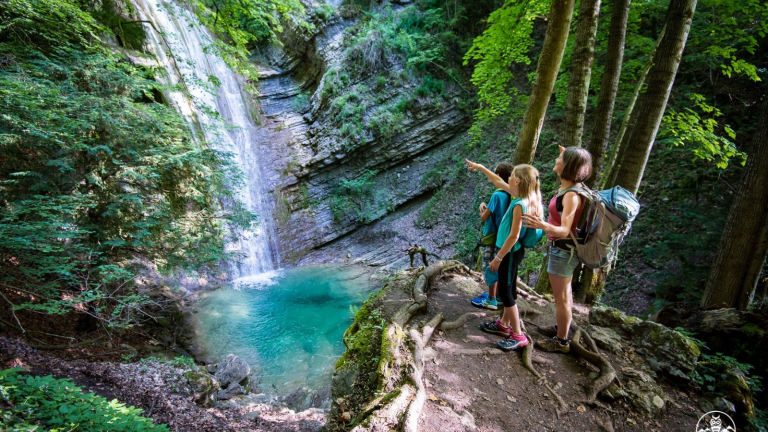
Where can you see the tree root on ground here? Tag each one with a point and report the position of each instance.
(399, 358)
(474, 351)
(460, 321)
(591, 354)
(420, 341)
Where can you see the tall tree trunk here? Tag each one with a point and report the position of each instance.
(614, 160)
(744, 243)
(646, 118)
(551, 56)
(581, 72)
(542, 284)
(601, 131)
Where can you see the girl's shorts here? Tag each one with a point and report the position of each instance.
(561, 262)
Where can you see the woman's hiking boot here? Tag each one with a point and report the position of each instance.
(550, 331)
(553, 345)
(496, 327)
(513, 342)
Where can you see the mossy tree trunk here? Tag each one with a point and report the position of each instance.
(560, 15)
(645, 119)
(581, 72)
(744, 243)
(613, 163)
(542, 284)
(601, 131)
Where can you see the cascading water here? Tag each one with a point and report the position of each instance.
(179, 43)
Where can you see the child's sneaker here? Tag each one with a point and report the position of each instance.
(513, 342)
(491, 304)
(478, 301)
(496, 327)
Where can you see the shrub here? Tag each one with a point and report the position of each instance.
(359, 199)
(57, 405)
(300, 103)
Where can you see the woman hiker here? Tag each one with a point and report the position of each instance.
(573, 166)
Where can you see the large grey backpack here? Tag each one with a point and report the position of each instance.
(606, 220)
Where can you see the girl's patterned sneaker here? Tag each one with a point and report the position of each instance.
(513, 342)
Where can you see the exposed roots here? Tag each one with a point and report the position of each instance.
(394, 349)
(607, 373)
(460, 321)
(420, 340)
(527, 357)
(476, 351)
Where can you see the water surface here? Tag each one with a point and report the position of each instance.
(287, 324)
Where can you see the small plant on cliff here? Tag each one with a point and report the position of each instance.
(359, 200)
(45, 403)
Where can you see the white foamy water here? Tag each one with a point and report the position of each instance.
(179, 43)
(258, 281)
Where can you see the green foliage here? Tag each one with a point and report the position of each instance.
(359, 199)
(94, 172)
(325, 11)
(57, 405)
(531, 265)
(507, 41)
(725, 36)
(182, 362)
(688, 127)
(111, 13)
(245, 23)
(387, 122)
(300, 103)
(710, 365)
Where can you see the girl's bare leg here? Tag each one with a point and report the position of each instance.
(511, 318)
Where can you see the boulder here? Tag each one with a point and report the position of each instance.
(233, 390)
(712, 402)
(605, 338)
(643, 392)
(613, 318)
(731, 383)
(664, 349)
(232, 370)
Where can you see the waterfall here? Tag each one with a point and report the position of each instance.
(212, 87)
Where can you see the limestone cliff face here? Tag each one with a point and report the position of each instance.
(311, 151)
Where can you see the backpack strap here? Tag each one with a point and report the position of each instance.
(559, 200)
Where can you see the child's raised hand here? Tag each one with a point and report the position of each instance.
(472, 166)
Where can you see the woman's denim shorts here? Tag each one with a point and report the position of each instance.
(561, 263)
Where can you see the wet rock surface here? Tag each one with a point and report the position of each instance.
(232, 371)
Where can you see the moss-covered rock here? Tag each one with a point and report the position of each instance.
(664, 349)
(730, 383)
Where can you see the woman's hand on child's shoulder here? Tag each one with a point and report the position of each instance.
(530, 221)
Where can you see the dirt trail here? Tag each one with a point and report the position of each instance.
(495, 392)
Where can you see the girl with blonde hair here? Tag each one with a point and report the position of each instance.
(524, 184)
